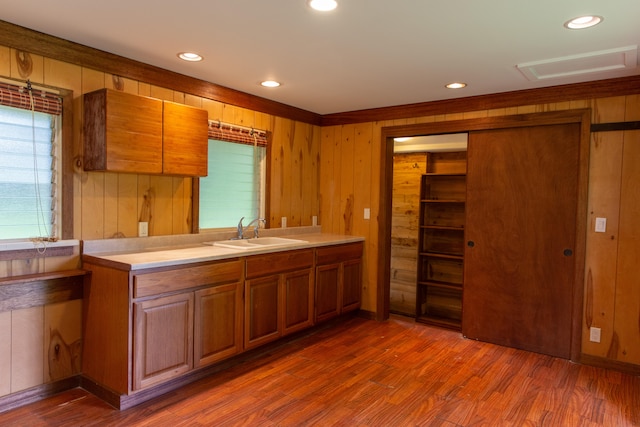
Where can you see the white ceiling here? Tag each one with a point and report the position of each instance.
(365, 54)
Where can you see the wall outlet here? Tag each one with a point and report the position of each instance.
(143, 229)
(314, 220)
(594, 334)
(367, 213)
(283, 221)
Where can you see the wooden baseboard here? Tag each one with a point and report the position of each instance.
(365, 314)
(34, 394)
(601, 362)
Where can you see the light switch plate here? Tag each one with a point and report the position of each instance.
(601, 225)
(594, 334)
(367, 213)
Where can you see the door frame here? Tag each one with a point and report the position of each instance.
(580, 116)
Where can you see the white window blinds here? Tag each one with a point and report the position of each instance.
(234, 186)
(27, 163)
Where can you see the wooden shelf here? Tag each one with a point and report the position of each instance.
(443, 285)
(440, 321)
(440, 227)
(441, 240)
(444, 174)
(442, 255)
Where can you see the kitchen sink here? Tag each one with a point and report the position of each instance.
(256, 243)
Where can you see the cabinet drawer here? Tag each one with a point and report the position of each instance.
(264, 265)
(188, 277)
(338, 253)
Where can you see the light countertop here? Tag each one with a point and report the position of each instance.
(138, 259)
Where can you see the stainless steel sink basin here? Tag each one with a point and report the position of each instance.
(256, 243)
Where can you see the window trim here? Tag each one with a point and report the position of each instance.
(195, 194)
(69, 163)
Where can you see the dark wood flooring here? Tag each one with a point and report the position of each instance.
(365, 373)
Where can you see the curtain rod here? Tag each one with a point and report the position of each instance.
(26, 82)
(245, 128)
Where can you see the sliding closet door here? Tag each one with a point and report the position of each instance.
(522, 196)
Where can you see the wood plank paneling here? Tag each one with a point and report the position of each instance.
(347, 173)
(625, 346)
(407, 170)
(127, 205)
(27, 348)
(602, 248)
(297, 173)
(5, 353)
(63, 340)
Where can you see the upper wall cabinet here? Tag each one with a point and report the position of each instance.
(130, 133)
(185, 140)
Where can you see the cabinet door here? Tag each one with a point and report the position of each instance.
(185, 140)
(122, 132)
(351, 285)
(327, 292)
(217, 323)
(262, 307)
(162, 339)
(297, 306)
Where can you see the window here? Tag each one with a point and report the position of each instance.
(235, 185)
(29, 129)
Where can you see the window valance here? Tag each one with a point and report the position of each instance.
(239, 134)
(18, 97)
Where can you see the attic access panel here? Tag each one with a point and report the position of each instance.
(586, 63)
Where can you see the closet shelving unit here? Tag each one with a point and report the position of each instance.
(441, 240)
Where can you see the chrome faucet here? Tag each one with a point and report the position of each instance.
(255, 230)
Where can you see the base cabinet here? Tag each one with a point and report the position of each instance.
(338, 280)
(162, 339)
(262, 307)
(282, 302)
(217, 323)
(147, 329)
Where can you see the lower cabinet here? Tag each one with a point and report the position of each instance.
(175, 333)
(280, 302)
(143, 328)
(338, 280)
(163, 339)
(217, 323)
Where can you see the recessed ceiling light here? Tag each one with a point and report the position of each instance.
(323, 5)
(583, 22)
(190, 56)
(402, 139)
(456, 85)
(270, 83)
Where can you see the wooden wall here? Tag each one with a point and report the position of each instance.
(107, 205)
(612, 285)
(408, 169)
(110, 205)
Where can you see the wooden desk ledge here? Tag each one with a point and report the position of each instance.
(32, 290)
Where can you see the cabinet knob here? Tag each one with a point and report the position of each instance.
(471, 243)
(567, 252)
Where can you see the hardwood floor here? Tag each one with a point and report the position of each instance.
(365, 373)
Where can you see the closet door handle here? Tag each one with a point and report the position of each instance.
(567, 252)
(471, 243)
